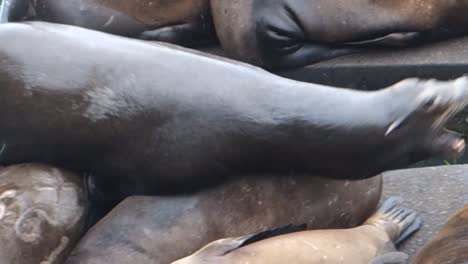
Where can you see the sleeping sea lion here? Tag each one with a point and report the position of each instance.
(159, 230)
(372, 242)
(292, 33)
(147, 118)
(42, 214)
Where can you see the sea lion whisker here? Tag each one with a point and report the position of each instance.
(445, 116)
(2, 148)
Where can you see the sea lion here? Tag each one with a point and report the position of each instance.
(372, 242)
(292, 33)
(450, 245)
(185, 22)
(159, 230)
(42, 214)
(126, 112)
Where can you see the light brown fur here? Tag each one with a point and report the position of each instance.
(450, 245)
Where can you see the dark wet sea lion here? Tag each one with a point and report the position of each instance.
(186, 22)
(294, 33)
(372, 242)
(159, 230)
(42, 214)
(146, 118)
(450, 245)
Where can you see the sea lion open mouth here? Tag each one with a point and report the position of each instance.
(449, 142)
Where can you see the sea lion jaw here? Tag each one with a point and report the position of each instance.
(433, 104)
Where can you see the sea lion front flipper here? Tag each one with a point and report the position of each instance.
(249, 239)
(224, 246)
(188, 34)
(391, 258)
(402, 39)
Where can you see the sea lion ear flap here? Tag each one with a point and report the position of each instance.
(391, 258)
(396, 124)
(224, 246)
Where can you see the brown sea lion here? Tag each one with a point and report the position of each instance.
(372, 242)
(293, 33)
(147, 118)
(450, 245)
(159, 230)
(185, 22)
(42, 214)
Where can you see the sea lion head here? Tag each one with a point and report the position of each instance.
(423, 104)
(41, 213)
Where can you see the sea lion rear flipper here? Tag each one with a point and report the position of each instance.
(401, 39)
(409, 230)
(408, 220)
(391, 258)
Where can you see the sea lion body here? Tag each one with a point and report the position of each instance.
(42, 214)
(163, 229)
(186, 22)
(449, 245)
(126, 113)
(293, 33)
(360, 245)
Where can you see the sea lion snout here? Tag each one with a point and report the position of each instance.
(424, 108)
(441, 97)
(441, 103)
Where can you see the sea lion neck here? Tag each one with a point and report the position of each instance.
(293, 119)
